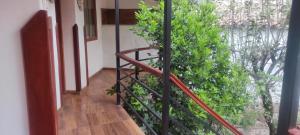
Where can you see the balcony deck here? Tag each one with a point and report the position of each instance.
(92, 112)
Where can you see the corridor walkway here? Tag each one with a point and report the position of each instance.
(92, 112)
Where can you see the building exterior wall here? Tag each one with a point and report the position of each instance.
(128, 39)
(50, 7)
(79, 20)
(13, 115)
(71, 15)
(101, 53)
(68, 20)
(95, 48)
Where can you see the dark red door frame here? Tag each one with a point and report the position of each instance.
(77, 57)
(76, 52)
(86, 58)
(39, 74)
(60, 47)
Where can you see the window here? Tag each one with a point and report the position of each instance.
(127, 16)
(90, 20)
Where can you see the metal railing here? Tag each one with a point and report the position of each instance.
(290, 92)
(186, 112)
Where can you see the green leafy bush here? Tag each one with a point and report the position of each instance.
(200, 57)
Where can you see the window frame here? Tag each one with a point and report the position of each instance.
(94, 18)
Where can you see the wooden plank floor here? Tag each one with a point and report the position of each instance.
(92, 112)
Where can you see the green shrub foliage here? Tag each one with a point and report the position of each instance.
(200, 58)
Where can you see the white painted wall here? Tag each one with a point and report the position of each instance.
(50, 7)
(68, 21)
(72, 15)
(128, 39)
(101, 52)
(13, 112)
(95, 48)
(79, 20)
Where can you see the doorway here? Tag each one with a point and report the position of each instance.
(60, 48)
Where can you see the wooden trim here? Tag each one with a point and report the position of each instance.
(91, 39)
(127, 16)
(86, 59)
(39, 74)
(105, 68)
(71, 92)
(77, 57)
(52, 72)
(60, 69)
(109, 68)
(60, 46)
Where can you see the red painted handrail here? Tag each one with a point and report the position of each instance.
(294, 131)
(179, 84)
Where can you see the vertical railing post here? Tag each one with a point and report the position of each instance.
(137, 57)
(291, 86)
(166, 66)
(117, 23)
